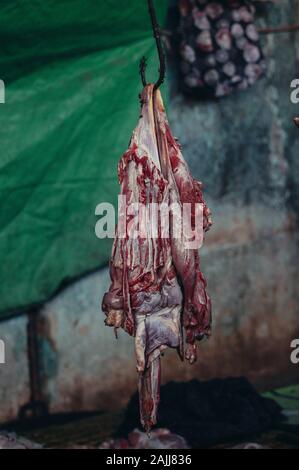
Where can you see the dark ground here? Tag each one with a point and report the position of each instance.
(89, 430)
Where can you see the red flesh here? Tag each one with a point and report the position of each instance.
(147, 273)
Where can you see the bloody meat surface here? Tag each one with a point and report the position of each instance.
(158, 293)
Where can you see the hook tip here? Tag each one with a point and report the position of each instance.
(142, 69)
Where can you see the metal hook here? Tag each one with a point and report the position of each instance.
(161, 53)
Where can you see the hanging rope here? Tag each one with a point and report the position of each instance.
(161, 53)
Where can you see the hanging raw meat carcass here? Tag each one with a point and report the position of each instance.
(157, 288)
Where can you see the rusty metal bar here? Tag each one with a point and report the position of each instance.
(37, 407)
(279, 29)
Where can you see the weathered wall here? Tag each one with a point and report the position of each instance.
(244, 148)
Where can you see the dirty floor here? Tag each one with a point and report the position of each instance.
(90, 430)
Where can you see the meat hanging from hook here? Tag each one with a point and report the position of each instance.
(162, 59)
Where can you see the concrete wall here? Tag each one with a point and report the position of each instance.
(244, 149)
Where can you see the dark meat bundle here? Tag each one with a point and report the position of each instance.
(220, 47)
(157, 286)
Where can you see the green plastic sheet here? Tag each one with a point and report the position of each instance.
(71, 74)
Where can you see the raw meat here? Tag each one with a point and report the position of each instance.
(10, 441)
(160, 439)
(157, 286)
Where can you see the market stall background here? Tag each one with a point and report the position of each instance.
(72, 88)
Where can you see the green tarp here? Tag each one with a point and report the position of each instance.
(288, 399)
(72, 84)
